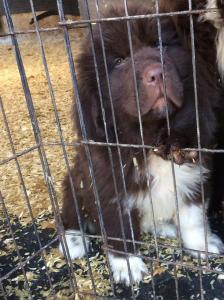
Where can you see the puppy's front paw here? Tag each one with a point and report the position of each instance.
(75, 244)
(174, 152)
(170, 147)
(215, 245)
(166, 230)
(180, 156)
(119, 268)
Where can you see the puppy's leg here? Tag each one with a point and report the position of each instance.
(118, 262)
(112, 226)
(77, 247)
(193, 233)
(162, 228)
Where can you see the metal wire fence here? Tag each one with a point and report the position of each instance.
(64, 26)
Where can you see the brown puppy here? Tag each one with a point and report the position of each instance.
(143, 185)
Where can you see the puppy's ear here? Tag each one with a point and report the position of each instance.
(94, 122)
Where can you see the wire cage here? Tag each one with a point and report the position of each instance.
(31, 225)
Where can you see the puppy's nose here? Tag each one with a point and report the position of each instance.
(152, 75)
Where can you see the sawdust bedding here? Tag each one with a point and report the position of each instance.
(12, 190)
(188, 281)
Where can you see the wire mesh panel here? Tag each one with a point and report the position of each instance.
(121, 184)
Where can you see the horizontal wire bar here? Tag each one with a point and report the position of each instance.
(76, 24)
(42, 30)
(142, 243)
(138, 17)
(19, 154)
(138, 146)
(101, 144)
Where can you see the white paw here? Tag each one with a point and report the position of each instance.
(119, 268)
(215, 245)
(75, 244)
(166, 230)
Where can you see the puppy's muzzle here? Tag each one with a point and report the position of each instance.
(156, 88)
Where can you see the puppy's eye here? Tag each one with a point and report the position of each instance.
(118, 61)
(164, 45)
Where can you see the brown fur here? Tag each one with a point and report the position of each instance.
(178, 68)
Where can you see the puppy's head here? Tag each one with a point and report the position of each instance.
(154, 88)
(134, 81)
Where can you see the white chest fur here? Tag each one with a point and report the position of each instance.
(162, 190)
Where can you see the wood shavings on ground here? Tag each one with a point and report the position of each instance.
(20, 125)
(161, 274)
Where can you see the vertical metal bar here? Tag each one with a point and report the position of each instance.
(176, 283)
(168, 126)
(200, 276)
(153, 282)
(35, 126)
(4, 209)
(205, 220)
(25, 192)
(140, 125)
(59, 129)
